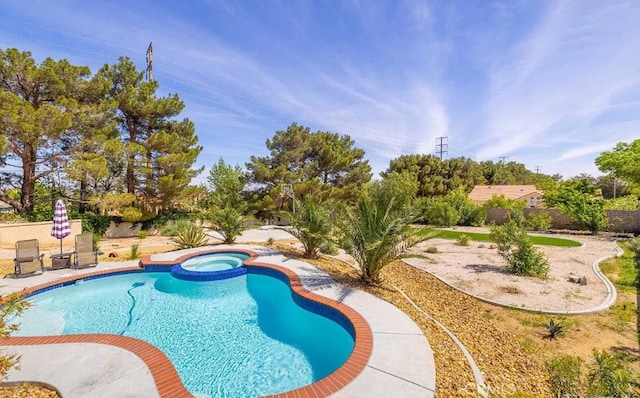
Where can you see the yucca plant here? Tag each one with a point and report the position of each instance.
(311, 225)
(190, 236)
(554, 329)
(375, 235)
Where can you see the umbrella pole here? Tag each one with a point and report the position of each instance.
(60, 246)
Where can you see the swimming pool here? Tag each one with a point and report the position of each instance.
(244, 336)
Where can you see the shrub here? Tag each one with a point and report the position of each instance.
(440, 213)
(609, 376)
(131, 214)
(143, 234)
(516, 248)
(463, 240)
(310, 225)
(538, 221)
(228, 222)
(191, 236)
(431, 250)
(97, 224)
(564, 375)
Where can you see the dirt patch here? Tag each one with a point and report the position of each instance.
(478, 270)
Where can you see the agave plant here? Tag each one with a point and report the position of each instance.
(190, 236)
(376, 235)
(554, 329)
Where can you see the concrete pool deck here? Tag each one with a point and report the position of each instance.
(400, 362)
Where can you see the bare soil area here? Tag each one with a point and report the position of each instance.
(479, 270)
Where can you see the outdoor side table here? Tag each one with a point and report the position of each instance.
(62, 260)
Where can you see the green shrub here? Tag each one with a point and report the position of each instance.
(564, 375)
(609, 376)
(143, 234)
(97, 224)
(440, 213)
(463, 240)
(131, 214)
(431, 249)
(539, 221)
(516, 248)
(190, 236)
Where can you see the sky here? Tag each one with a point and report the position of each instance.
(550, 84)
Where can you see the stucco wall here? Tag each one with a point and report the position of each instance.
(10, 233)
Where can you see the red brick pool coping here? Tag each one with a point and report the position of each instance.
(166, 377)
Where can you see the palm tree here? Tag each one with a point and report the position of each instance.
(376, 235)
(311, 225)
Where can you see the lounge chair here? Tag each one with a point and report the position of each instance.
(28, 259)
(85, 256)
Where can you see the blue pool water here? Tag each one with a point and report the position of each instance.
(238, 337)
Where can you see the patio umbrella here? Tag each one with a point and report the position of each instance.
(61, 226)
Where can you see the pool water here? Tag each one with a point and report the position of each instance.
(238, 337)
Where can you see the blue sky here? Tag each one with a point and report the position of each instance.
(545, 83)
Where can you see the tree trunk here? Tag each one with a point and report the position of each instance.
(83, 207)
(28, 179)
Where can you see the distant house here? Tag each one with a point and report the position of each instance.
(529, 193)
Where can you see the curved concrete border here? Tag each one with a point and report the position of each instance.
(608, 301)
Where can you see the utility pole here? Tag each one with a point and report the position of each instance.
(503, 158)
(441, 148)
(149, 70)
(537, 169)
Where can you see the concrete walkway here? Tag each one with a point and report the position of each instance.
(401, 361)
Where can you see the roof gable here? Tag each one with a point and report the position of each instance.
(482, 193)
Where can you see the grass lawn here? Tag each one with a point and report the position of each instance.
(484, 237)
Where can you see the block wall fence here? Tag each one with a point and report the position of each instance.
(619, 220)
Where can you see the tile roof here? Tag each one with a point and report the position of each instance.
(482, 193)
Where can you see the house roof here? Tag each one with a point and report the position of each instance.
(482, 193)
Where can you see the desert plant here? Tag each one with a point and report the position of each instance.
(516, 248)
(143, 234)
(134, 252)
(191, 236)
(555, 329)
(310, 225)
(375, 235)
(431, 250)
(463, 240)
(609, 376)
(564, 375)
(270, 241)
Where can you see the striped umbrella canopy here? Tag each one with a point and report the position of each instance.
(61, 227)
